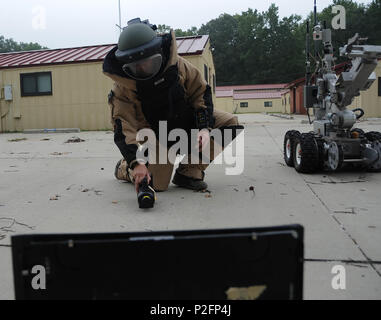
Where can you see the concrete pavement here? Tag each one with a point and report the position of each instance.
(341, 212)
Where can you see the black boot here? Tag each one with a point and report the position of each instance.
(189, 183)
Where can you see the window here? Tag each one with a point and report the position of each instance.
(36, 84)
(268, 104)
(379, 86)
(206, 73)
(244, 105)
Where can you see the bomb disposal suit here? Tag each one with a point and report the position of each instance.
(152, 83)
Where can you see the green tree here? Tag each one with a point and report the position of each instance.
(254, 47)
(373, 22)
(190, 32)
(259, 47)
(223, 33)
(162, 28)
(9, 45)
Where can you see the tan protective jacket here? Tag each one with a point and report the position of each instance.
(126, 106)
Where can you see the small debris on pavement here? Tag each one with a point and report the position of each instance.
(54, 198)
(115, 202)
(253, 190)
(348, 211)
(17, 140)
(208, 196)
(203, 191)
(60, 153)
(46, 139)
(75, 140)
(97, 192)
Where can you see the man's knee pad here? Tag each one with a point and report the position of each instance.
(233, 122)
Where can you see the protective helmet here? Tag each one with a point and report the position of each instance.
(140, 49)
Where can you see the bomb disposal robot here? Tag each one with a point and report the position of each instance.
(334, 143)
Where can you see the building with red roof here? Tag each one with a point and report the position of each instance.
(65, 88)
(251, 98)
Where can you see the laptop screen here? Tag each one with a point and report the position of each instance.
(236, 264)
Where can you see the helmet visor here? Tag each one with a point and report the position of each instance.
(144, 69)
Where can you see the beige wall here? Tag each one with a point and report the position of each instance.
(205, 59)
(369, 100)
(79, 97)
(225, 104)
(286, 107)
(258, 105)
(255, 105)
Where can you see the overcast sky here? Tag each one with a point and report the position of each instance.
(71, 23)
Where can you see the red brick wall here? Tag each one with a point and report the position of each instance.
(296, 95)
(299, 100)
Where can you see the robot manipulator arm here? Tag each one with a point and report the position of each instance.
(361, 75)
(359, 78)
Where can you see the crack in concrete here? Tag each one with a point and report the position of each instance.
(7, 229)
(15, 222)
(268, 132)
(336, 182)
(343, 228)
(354, 262)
